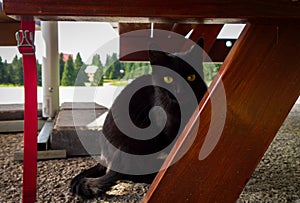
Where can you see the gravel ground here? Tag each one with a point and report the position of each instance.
(276, 179)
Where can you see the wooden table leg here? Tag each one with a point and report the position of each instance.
(261, 77)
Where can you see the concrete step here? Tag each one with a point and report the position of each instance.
(77, 123)
(15, 111)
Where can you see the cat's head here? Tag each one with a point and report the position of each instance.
(179, 72)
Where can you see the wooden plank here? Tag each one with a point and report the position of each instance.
(76, 142)
(15, 111)
(208, 32)
(261, 80)
(8, 27)
(81, 106)
(72, 122)
(134, 35)
(182, 29)
(43, 155)
(140, 40)
(128, 27)
(189, 10)
(4, 18)
(44, 135)
(45, 132)
(7, 34)
(216, 53)
(135, 48)
(83, 118)
(13, 126)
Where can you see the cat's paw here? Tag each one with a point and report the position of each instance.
(75, 180)
(87, 188)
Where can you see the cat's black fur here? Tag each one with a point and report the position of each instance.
(163, 92)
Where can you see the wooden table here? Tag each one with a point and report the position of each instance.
(260, 76)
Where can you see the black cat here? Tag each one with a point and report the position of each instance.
(136, 125)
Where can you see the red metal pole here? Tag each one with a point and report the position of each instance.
(25, 39)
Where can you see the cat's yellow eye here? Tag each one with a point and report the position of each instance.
(191, 78)
(168, 79)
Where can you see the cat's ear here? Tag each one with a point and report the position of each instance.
(198, 49)
(156, 56)
(200, 43)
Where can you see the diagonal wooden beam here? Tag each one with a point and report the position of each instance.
(260, 77)
(207, 31)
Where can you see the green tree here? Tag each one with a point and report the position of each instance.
(115, 68)
(15, 72)
(106, 66)
(39, 73)
(80, 75)
(109, 66)
(111, 71)
(97, 61)
(78, 64)
(61, 66)
(9, 74)
(98, 76)
(147, 68)
(5, 72)
(2, 72)
(68, 76)
(109, 60)
(210, 70)
(127, 69)
(132, 69)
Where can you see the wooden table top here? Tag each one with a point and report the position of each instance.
(188, 11)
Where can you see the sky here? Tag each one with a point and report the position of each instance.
(87, 37)
(74, 37)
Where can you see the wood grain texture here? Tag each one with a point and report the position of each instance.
(43, 155)
(131, 41)
(208, 32)
(7, 34)
(261, 80)
(194, 10)
(3, 17)
(129, 27)
(15, 126)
